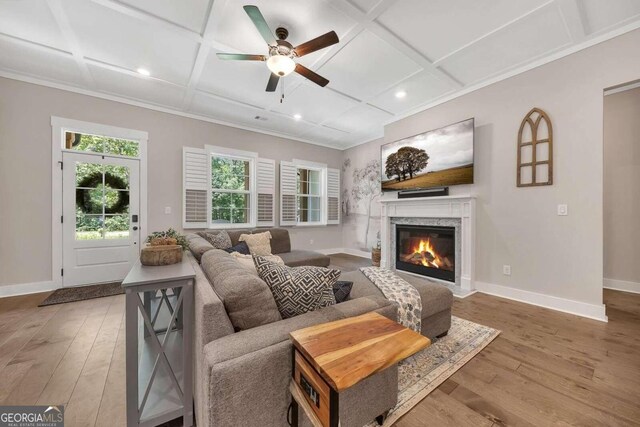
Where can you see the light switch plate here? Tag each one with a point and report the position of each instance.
(506, 270)
(563, 210)
(167, 210)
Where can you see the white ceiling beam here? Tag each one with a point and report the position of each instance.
(574, 19)
(141, 15)
(210, 24)
(69, 36)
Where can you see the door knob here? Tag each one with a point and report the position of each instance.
(135, 227)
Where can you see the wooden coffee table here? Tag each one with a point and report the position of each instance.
(331, 357)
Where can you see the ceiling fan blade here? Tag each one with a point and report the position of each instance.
(258, 20)
(318, 43)
(273, 82)
(241, 57)
(316, 78)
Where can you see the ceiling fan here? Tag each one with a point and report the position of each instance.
(282, 54)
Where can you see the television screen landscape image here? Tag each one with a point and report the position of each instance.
(436, 158)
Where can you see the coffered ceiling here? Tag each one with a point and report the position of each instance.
(430, 49)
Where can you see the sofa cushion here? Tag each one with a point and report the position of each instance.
(198, 245)
(246, 298)
(298, 290)
(246, 261)
(297, 258)
(218, 238)
(259, 243)
(435, 297)
(280, 241)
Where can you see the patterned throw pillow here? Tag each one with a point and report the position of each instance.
(298, 290)
(259, 243)
(341, 290)
(241, 248)
(219, 239)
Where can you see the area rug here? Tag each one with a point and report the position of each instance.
(80, 293)
(422, 373)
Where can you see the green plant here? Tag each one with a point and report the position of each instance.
(170, 233)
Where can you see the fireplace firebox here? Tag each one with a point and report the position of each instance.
(426, 250)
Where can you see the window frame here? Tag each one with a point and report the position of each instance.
(233, 154)
(321, 197)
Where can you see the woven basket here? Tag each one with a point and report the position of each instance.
(161, 255)
(376, 255)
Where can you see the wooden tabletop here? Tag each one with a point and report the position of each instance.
(347, 351)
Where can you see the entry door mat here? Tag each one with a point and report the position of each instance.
(81, 293)
(422, 373)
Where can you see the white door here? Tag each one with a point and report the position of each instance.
(101, 200)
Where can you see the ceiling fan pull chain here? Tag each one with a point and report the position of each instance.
(282, 89)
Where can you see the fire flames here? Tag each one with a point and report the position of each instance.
(429, 256)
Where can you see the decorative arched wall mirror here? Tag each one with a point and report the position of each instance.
(535, 150)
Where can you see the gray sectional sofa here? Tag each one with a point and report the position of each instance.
(242, 349)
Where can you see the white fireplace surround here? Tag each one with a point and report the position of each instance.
(461, 207)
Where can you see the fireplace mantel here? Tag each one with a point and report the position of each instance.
(462, 207)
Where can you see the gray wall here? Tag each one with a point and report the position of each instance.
(561, 256)
(25, 168)
(622, 186)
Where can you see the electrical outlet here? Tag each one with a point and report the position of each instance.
(506, 270)
(167, 210)
(563, 210)
(311, 241)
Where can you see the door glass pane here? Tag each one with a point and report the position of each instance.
(117, 177)
(102, 201)
(116, 226)
(101, 144)
(89, 227)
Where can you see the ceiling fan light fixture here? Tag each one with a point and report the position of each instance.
(281, 65)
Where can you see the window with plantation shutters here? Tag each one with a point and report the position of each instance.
(227, 188)
(195, 186)
(309, 194)
(288, 193)
(266, 189)
(333, 196)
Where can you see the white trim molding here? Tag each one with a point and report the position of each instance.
(622, 285)
(27, 288)
(579, 308)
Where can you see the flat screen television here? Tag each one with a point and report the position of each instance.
(436, 158)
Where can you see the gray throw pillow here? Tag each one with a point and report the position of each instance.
(218, 238)
(298, 290)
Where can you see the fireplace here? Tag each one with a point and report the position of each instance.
(426, 250)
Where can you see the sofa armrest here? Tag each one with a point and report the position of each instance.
(245, 375)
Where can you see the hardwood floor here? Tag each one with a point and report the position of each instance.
(546, 368)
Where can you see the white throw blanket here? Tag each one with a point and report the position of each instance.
(398, 290)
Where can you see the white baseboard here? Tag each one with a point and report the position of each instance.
(622, 285)
(27, 288)
(348, 251)
(591, 311)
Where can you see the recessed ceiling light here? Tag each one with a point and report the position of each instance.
(143, 71)
(401, 94)
(297, 116)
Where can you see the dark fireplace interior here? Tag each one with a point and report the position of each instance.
(426, 250)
